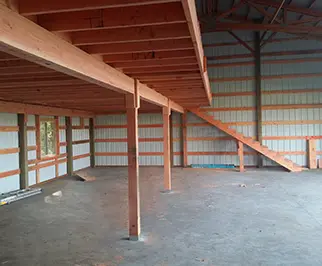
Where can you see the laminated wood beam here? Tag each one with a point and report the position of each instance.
(69, 148)
(189, 7)
(36, 7)
(23, 150)
(13, 107)
(132, 106)
(166, 148)
(121, 17)
(23, 38)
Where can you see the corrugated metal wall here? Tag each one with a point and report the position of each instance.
(298, 121)
(81, 149)
(9, 160)
(111, 137)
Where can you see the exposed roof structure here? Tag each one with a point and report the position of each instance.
(86, 45)
(298, 17)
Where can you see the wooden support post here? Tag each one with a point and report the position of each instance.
(23, 150)
(184, 136)
(69, 147)
(92, 142)
(166, 148)
(38, 147)
(312, 154)
(171, 140)
(132, 106)
(241, 156)
(57, 145)
(258, 92)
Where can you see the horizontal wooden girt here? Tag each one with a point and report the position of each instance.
(23, 38)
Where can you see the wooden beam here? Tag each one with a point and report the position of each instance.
(36, 7)
(258, 91)
(189, 7)
(312, 160)
(241, 156)
(139, 47)
(184, 136)
(292, 8)
(114, 58)
(23, 38)
(13, 107)
(158, 14)
(69, 148)
(242, 42)
(132, 106)
(156, 62)
(166, 148)
(91, 141)
(23, 151)
(123, 35)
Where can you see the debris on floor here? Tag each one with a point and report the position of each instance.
(7, 198)
(54, 198)
(85, 176)
(242, 185)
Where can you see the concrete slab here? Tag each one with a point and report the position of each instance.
(209, 218)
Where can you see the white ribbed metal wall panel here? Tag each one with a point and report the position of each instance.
(296, 128)
(149, 131)
(80, 149)
(9, 162)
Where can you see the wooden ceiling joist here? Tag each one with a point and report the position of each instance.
(156, 62)
(138, 47)
(110, 18)
(37, 7)
(134, 34)
(23, 38)
(148, 56)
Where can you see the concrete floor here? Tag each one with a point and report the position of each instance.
(209, 219)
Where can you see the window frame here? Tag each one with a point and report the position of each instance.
(52, 121)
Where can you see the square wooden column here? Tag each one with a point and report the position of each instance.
(132, 107)
(312, 154)
(23, 150)
(166, 148)
(69, 147)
